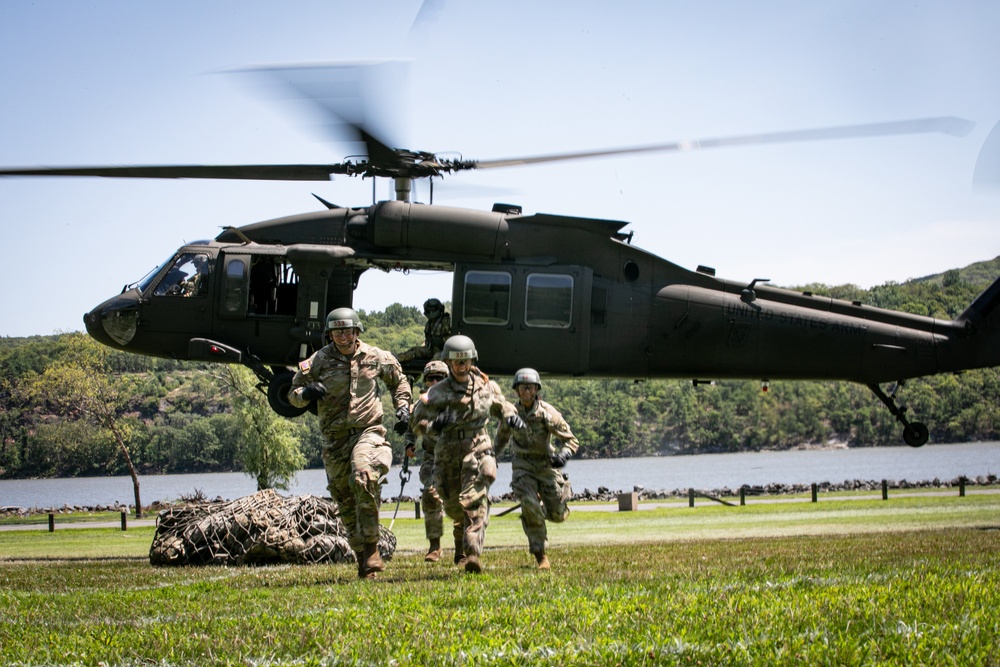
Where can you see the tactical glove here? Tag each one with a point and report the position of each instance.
(314, 391)
(559, 459)
(516, 423)
(402, 424)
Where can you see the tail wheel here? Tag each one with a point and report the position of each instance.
(277, 395)
(915, 434)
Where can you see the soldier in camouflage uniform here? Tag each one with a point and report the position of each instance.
(436, 331)
(456, 410)
(537, 479)
(342, 379)
(430, 501)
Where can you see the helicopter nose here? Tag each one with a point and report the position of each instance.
(115, 321)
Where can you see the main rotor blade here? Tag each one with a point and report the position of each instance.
(352, 100)
(952, 125)
(259, 172)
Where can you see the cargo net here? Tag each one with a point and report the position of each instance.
(261, 529)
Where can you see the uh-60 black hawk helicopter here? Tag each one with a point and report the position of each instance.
(569, 296)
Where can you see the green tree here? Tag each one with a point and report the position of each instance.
(269, 450)
(80, 386)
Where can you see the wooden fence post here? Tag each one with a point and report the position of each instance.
(416, 509)
(52, 522)
(885, 490)
(961, 486)
(690, 497)
(124, 520)
(814, 489)
(743, 495)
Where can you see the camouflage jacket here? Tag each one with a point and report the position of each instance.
(472, 404)
(543, 421)
(436, 331)
(353, 399)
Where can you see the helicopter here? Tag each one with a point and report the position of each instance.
(570, 296)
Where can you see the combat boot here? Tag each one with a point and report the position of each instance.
(542, 560)
(434, 551)
(359, 556)
(472, 564)
(371, 562)
(459, 551)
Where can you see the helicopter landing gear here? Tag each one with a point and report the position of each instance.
(915, 434)
(278, 382)
(277, 394)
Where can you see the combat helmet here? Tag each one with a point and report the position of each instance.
(526, 376)
(434, 368)
(459, 348)
(343, 318)
(433, 306)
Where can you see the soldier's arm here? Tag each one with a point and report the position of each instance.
(560, 429)
(503, 437)
(303, 377)
(420, 420)
(393, 377)
(501, 407)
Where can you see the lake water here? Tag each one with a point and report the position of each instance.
(705, 471)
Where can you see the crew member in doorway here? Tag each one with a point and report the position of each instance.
(436, 331)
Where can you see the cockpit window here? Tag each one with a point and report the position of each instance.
(147, 280)
(187, 277)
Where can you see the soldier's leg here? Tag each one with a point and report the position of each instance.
(524, 484)
(338, 476)
(370, 461)
(556, 493)
(479, 470)
(448, 482)
(430, 502)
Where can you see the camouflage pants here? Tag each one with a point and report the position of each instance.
(430, 501)
(355, 466)
(543, 492)
(463, 473)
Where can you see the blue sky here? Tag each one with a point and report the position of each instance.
(116, 82)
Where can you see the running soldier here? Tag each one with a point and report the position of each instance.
(536, 470)
(430, 501)
(342, 379)
(456, 410)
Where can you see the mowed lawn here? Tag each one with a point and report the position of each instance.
(912, 580)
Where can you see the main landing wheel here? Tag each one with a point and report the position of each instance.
(277, 395)
(915, 434)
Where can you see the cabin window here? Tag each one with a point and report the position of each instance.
(234, 300)
(549, 301)
(187, 277)
(487, 297)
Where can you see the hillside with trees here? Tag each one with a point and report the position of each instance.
(182, 417)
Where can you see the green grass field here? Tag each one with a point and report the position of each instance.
(908, 581)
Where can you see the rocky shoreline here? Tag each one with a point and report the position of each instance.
(602, 494)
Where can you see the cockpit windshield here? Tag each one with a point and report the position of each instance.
(188, 276)
(147, 280)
